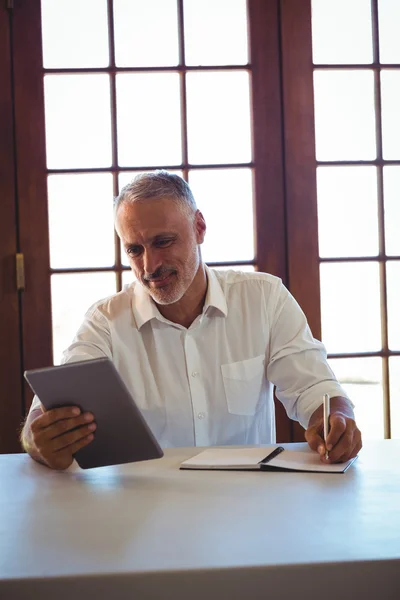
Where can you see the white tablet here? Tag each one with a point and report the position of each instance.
(122, 434)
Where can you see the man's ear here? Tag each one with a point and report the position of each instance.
(200, 226)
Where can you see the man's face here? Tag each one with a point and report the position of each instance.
(161, 242)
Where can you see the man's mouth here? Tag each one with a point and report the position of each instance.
(159, 282)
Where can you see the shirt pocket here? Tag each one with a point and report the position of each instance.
(243, 382)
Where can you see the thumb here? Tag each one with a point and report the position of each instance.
(315, 441)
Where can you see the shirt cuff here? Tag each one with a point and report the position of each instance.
(311, 399)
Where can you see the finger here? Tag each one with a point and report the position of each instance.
(356, 449)
(349, 444)
(55, 414)
(338, 426)
(52, 438)
(70, 438)
(63, 458)
(73, 448)
(342, 449)
(61, 427)
(352, 450)
(43, 437)
(315, 441)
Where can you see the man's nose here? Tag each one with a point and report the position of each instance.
(151, 261)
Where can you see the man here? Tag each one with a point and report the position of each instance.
(199, 349)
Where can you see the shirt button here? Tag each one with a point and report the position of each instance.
(201, 415)
(195, 373)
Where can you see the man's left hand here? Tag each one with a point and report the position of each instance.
(344, 439)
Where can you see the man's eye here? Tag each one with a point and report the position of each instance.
(163, 243)
(134, 251)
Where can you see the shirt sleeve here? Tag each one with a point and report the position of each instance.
(298, 364)
(93, 340)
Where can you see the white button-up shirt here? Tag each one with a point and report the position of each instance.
(213, 383)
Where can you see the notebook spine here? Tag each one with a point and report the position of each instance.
(272, 455)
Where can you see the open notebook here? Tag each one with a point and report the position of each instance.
(262, 459)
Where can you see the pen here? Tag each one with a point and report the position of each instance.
(326, 421)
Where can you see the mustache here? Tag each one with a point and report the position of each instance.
(158, 274)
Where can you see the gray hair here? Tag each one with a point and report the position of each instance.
(158, 184)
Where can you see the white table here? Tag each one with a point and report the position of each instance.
(148, 530)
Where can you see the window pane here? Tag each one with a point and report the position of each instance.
(78, 121)
(394, 374)
(223, 23)
(146, 33)
(74, 33)
(347, 211)
(149, 119)
(342, 31)
(218, 112)
(81, 223)
(71, 296)
(350, 307)
(391, 187)
(390, 81)
(344, 115)
(127, 277)
(393, 301)
(389, 39)
(229, 234)
(361, 379)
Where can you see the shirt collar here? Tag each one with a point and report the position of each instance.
(215, 295)
(145, 309)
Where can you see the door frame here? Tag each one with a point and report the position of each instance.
(11, 409)
(32, 188)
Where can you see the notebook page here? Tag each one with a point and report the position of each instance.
(229, 457)
(307, 461)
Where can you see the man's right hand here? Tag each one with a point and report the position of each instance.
(54, 436)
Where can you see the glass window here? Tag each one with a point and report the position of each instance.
(342, 31)
(389, 39)
(361, 379)
(148, 119)
(347, 211)
(215, 32)
(71, 296)
(393, 301)
(78, 121)
(218, 115)
(127, 277)
(394, 374)
(391, 186)
(350, 307)
(81, 220)
(344, 115)
(146, 33)
(74, 33)
(225, 197)
(390, 82)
